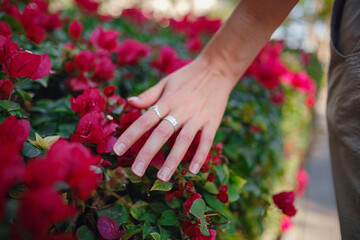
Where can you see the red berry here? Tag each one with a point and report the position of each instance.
(205, 168)
(184, 171)
(189, 186)
(216, 160)
(211, 177)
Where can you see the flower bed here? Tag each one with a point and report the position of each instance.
(65, 77)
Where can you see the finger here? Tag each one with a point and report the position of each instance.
(206, 140)
(157, 139)
(182, 143)
(149, 97)
(136, 130)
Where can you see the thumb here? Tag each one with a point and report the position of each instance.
(147, 98)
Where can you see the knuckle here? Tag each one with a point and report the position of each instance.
(185, 137)
(146, 153)
(145, 121)
(163, 131)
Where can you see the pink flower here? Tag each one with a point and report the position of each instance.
(75, 29)
(301, 81)
(13, 130)
(286, 223)
(131, 51)
(105, 39)
(95, 128)
(85, 60)
(285, 202)
(302, 178)
(193, 44)
(6, 88)
(189, 202)
(44, 67)
(104, 71)
(88, 5)
(89, 101)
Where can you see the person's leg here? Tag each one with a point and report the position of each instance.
(343, 117)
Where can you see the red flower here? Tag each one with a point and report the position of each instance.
(35, 33)
(105, 39)
(301, 81)
(52, 22)
(211, 177)
(5, 29)
(11, 10)
(75, 29)
(8, 50)
(88, 5)
(85, 60)
(134, 14)
(6, 88)
(89, 101)
(285, 201)
(44, 67)
(13, 130)
(81, 83)
(109, 91)
(40, 209)
(130, 51)
(216, 160)
(169, 195)
(223, 197)
(69, 67)
(11, 169)
(277, 98)
(310, 100)
(192, 230)
(193, 44)
(23, 64)
(104, 71)
(95, 128)
(189, 202)
(72, 163)
(168, 60)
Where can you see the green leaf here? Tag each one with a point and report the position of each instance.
(132, 177)
(18, 191)
(117, 212)
(84, 233)
(233, 194)
(131, 231)
(198, 209)
(211, 187)
(168, 218)
(161, 186)
(4, 104)
(138, 209)
(30, 151)
(149, 217)
(214, 203)
(155, 236)
(146, 229)
(165, 233)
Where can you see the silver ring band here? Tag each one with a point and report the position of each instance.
(155, 108)
(173, 121)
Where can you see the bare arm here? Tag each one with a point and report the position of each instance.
(197, 94)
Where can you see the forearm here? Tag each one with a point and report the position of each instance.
(247, 30)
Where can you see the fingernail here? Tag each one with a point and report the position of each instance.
(164, 174)
(133, 98)
(195, 168)
(138, 169)
(119, 149)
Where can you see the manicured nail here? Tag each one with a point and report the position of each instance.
(133, 98)
(195, 168)
(138, 169)
(119, 149)
(164, 174)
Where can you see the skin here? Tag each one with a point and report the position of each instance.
(197, 94)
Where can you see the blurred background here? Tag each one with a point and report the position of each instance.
(306, 28)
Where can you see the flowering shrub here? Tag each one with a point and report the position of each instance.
(65, 77)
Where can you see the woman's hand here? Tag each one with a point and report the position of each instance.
(196, 96)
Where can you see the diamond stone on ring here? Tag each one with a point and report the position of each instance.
(172, 120)
(155, 108)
